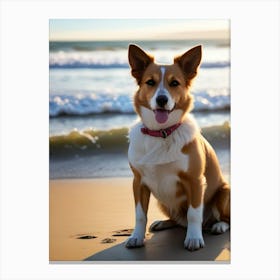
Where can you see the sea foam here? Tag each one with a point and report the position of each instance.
(123, 104)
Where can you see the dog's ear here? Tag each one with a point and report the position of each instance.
(190, 61)
(138, 61)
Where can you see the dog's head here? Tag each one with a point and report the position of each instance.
(163, 96)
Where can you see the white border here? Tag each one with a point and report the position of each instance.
(255, 138)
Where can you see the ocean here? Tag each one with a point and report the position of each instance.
(91, 108)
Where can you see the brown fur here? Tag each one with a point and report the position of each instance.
(141, 192)
(192, 180)
(203, 162)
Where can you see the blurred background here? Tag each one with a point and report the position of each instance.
(91, 89)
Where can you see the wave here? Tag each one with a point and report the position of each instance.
(115, 141)
(87, 105)
(76, 64)
(106, 55)
(60, 105)
(90, 141)
(180, 45)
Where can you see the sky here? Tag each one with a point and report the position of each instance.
(137, 29)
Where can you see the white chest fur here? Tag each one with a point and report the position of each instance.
(159, 160)
(162, 180)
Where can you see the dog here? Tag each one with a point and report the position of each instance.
(168, 155)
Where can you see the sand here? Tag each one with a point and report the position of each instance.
(90, 219)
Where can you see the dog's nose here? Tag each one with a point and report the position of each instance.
(161, 100)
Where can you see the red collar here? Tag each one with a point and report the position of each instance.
(160, 133)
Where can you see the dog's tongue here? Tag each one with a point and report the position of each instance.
(161, 116)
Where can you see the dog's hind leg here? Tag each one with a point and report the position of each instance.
(217, 193)
(165, 224)
(221, 210)
(162, 225)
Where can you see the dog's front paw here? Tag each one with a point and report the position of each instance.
(220, 227)
(193, 244)
(134, 242)
(194, 240)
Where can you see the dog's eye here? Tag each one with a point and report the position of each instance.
(174, 83)
(151, 82)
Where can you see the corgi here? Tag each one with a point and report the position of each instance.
(168, 155)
